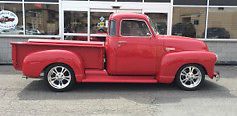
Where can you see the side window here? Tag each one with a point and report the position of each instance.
(134, 28)
(112, 28)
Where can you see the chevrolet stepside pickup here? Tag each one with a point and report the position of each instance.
(132, 53)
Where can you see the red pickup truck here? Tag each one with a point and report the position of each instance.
(133, 53)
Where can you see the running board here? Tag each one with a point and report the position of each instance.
(119, 79)
(102, 77)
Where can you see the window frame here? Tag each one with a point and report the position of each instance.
(120, 30)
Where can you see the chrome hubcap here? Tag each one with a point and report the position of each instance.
(59, 77)
(190, 77)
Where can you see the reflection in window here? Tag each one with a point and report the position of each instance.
(75, 22)
(222, 23)
(160, 22)
(189, 22)
(42, 19)
(223, 2)
(134, 28)
(190, 2)
(99, 22)
(11, 19)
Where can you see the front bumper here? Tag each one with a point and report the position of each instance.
(217, 76)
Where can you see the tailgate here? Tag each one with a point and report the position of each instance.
(19, 52)
(14, 60)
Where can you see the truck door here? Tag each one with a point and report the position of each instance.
(135, 52)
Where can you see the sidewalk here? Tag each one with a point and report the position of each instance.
(8, 69)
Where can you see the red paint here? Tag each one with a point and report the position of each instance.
(153, 59)
(94, 76)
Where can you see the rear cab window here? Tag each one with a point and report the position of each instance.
(112, 28)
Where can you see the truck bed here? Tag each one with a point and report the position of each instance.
(92, 53)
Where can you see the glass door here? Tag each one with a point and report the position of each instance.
(88, 21)
(99, 19)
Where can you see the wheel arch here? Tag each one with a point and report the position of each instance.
(172, 62)
(35, 63)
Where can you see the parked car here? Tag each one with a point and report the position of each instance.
(184, 29)
(132, 53)
(33, 32)
(217, 32)
(162, 28)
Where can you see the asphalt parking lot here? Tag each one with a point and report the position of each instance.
(31, 97)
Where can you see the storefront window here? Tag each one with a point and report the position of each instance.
(99, 22)
(160, 22)
(41, 19)
(190, 2)
(223, 2)
(75, 21)
(189, 22)
(222, 23)
(11, 19)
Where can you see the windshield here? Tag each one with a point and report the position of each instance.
(153, 25)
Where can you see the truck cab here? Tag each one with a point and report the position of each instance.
(133, 53)
(132, 46)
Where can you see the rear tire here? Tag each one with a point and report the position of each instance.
(190, 77)
(59, 77)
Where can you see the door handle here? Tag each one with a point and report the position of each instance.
(122, 42)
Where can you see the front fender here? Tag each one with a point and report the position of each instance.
(171, 63)
(36, 62)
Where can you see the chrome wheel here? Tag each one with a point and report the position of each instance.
(59, 77)
(190, 76)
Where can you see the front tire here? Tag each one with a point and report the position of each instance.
(190, 77)
(59, 77)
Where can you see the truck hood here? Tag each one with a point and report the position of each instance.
(179, 43)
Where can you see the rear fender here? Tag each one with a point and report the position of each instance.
(171, 63)
(36, 62)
